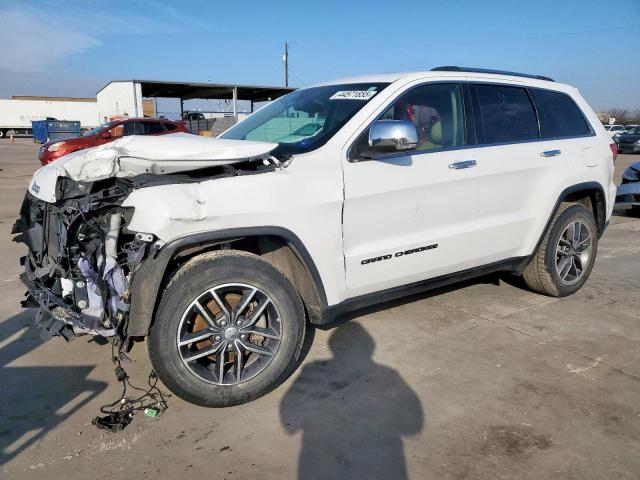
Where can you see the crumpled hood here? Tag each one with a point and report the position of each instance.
(134, 155)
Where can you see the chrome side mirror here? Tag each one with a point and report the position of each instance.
(392, 136)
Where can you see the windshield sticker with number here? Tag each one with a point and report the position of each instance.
(353, 95)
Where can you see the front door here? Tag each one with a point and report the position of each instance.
(412, 217)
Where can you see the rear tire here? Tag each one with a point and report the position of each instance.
(563, 261)
(220, 302)
(634, 211)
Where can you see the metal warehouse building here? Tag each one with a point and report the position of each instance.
(134, 98)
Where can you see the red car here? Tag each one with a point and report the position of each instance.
(109, 132)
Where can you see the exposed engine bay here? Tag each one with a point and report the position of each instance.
(82, 257)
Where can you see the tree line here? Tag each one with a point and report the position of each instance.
(622, 116)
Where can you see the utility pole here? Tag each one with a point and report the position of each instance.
(285, 57)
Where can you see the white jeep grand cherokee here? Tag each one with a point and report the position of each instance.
(221, 251)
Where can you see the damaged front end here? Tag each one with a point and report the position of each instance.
(81, 257)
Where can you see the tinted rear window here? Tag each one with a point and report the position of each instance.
(151, 128)
(507, 114)
(559, 115)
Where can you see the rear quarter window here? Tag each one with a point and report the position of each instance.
(559, 115)
(506, 113)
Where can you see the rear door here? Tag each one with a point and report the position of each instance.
(521, 170)
(562, 123)
(413, 216)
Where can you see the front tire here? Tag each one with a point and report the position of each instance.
(229, 329)
(563, 261)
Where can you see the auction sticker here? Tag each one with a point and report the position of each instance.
(353, 95)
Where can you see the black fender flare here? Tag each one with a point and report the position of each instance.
(148, 279)
(600, 214)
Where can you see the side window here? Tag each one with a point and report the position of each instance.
(129, 129)
(437, 112)
(559, 115)
(506, 113)
(170, 126)
(139, 128)
(150, 128)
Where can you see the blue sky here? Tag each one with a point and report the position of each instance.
(73, 48)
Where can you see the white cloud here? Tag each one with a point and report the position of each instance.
(37, 39)
(32, 42)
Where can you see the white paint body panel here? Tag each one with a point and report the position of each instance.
(409, 202)
(305, 198)
(347, 212)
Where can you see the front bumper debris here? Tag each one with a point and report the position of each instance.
(53, 307)
(80, 261)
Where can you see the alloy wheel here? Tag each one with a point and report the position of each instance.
(229, 333)
(573, 252)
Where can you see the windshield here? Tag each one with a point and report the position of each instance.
(305, 119)
(98, 129)
(633, 131)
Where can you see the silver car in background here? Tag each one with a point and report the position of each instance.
(628, 194)
(629, 140)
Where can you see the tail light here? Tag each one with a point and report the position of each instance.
(614, 151)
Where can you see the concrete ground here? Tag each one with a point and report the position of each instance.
(484, 381)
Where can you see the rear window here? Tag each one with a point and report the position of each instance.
(507, 114)
(559, 115)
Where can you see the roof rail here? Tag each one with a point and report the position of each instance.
(453, 68)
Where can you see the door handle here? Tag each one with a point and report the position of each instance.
(463, 164)
(550, 153)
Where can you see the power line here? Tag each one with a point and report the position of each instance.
(296, 77)
(535, 37)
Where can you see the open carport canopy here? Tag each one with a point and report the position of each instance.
(189, 91)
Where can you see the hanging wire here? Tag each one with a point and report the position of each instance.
(120, 413)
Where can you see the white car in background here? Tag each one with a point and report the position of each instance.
(222, 251)
(614, 130)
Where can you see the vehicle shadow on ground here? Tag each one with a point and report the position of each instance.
(35, 399)
(352, 412)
